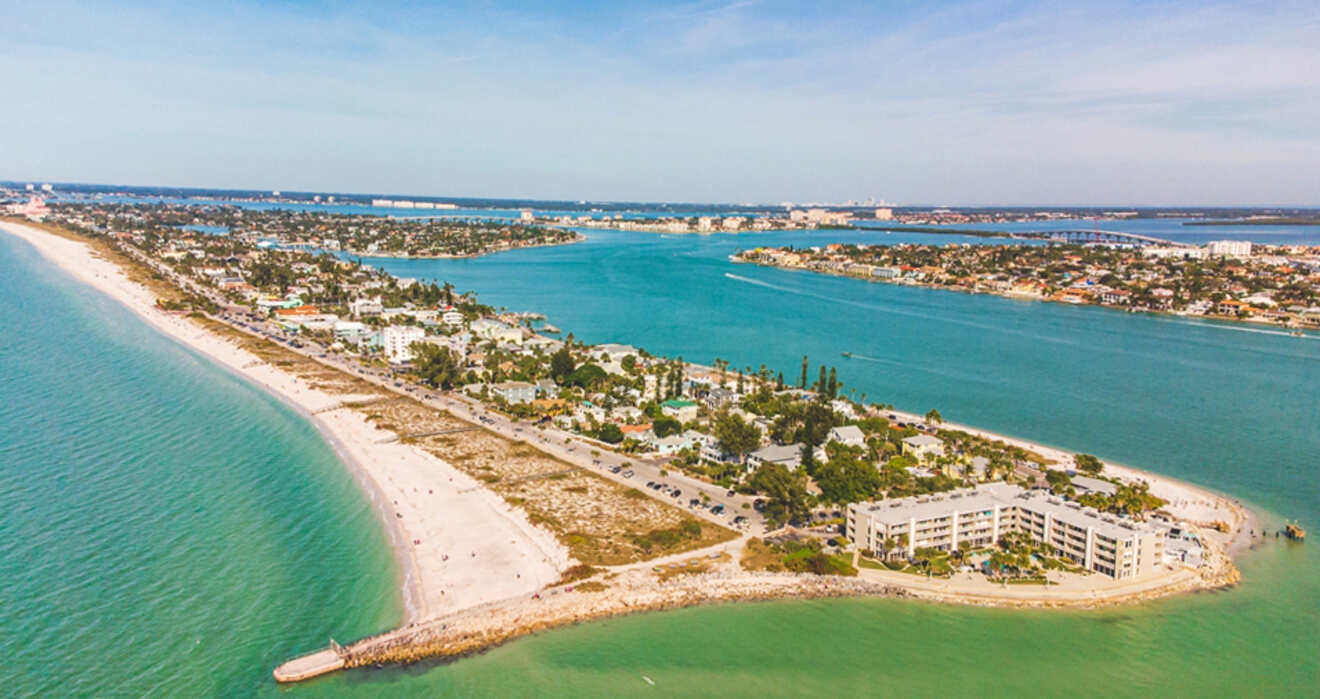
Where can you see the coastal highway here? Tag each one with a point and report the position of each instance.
(571, 448)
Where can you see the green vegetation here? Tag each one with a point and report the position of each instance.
(796, 556)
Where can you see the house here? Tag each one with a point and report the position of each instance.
(515, 392)
(451, 317)
(1231, 307)
(674, 443)
(1087, 484)
(978, 467)
(640, 432)
(496, 331)
(787, 455)
(1116, 297)
(681, 410)
(847, 435)
(923, 445)
(613, 352)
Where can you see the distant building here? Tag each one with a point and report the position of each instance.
(397, 341)
(1230, 248)
(526, 216)
(34, 209)
(884, 214)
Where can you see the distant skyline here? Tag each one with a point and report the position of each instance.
(965, 103)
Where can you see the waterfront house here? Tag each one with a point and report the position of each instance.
(1086, 484)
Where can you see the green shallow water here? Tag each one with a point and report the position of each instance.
(168, 529)
(230, 523)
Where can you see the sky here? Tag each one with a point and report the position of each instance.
(914, 103)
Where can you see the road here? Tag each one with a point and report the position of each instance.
(676, 488)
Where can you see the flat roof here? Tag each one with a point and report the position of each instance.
(986, 497)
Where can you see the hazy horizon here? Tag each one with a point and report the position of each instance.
(952, 104)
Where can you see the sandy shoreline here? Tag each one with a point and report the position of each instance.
(476, 572)
(474, 548)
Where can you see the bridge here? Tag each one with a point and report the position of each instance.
(1098, 236)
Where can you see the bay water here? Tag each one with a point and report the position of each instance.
(169, 529)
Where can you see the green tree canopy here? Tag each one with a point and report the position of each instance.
(664, 426)
(561, 364)
(786, 494)
(585, 376)
(1087, 463)
(735, 435)
(610, 434)
(436, 365)
(846, 478)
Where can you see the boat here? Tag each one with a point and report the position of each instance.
(1294, 531)
(1297, 333)
(847, 355)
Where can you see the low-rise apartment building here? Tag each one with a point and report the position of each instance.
(1107, 544)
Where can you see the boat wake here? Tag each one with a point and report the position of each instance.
(854, 355)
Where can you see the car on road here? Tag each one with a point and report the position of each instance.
(730, 494)
(615, 469)
(628, 473)
(676, 492)
(718, 509)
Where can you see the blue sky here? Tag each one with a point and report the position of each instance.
(1104, 103)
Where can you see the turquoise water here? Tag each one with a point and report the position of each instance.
(250, 530)
(168, 530)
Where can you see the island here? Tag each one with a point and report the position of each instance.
(528, 481)
(376, 236)
(1226, 280)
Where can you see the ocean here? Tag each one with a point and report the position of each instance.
(191, 557)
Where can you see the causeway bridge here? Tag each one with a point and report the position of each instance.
(1098, 236)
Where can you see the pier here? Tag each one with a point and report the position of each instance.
(322, 662)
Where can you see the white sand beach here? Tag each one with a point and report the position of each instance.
(459, 544)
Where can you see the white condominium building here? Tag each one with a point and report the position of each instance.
(397, 342)
(1114, 546)
(1230, 248)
